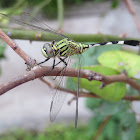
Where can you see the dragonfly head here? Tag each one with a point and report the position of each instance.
(47, 50)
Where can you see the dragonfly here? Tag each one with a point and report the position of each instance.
(63, 50)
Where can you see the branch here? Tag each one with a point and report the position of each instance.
(84, 94)
(44, 36)
(17, 49)
(129, 5)
(38, 72)
(121, 78)
(60, 13)
(101, 127)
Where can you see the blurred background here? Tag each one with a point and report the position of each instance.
(25, 110)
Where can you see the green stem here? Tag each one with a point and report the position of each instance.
(60, 15)
(17, 5)
(39, 7)
(44, 36)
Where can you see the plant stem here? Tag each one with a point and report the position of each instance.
(44, 36)
(60, 15)
(102, 126)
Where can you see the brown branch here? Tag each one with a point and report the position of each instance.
(102, 126)
(17, 49)
(120, 78)
(85, 94)
(129, 5)
(38, 72)
(92, 95)
(47, 83)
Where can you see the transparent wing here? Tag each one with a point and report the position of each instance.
(59, 97)
(27, 18)
(28, 21)
(56, 104)
(78, 65)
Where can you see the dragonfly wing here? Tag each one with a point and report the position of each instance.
(35, 23)
(22, 22)
(14, 20)
(27, 18)
(31, 22)
(56, 104)
(78, 66)
(59, 97)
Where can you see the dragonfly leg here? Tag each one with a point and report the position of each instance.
(53, 42)
(44, 61)
(51, 68)
(62, 60)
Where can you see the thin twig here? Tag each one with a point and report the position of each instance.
(60, 13)
(101, 127)
(85, 94)
(17, 49)
(47, 83)
(129, 5)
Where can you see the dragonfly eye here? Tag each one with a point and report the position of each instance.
(47, 50)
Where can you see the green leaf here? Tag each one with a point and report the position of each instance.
(2, 48)
(91, 55)
(93, 103)
(132, 91)
(112, 92)
(115, 3)
(108, 108)
(70, 84)
(138, 132)
(120, 61)
(90, 58)
(121, 125)
(105, 108)
(110, 130)
(128, 126)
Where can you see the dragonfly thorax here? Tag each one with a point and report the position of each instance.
(47, 50)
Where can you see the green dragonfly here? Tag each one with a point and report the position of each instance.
(62, 50)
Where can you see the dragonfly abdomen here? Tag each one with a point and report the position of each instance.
(126, 42)
(83, 47)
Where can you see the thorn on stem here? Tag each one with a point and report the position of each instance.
(69, 102)
(30, 64)
(15, 47)
(102, 85)
(9, 33)
(38, 36)
(124, 72)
